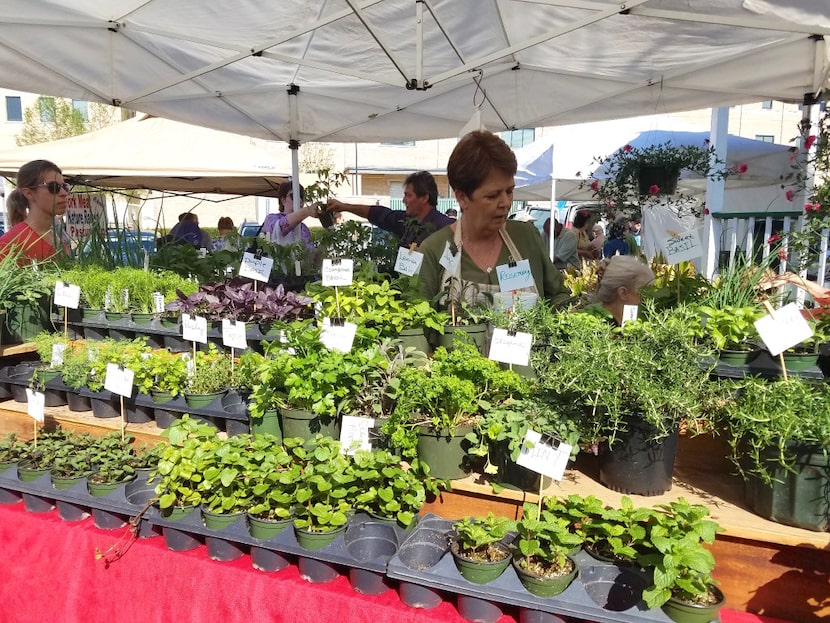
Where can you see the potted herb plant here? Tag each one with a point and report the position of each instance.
(479, 549)
(389, 490)
(731, 331)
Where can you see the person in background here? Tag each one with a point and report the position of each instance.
(635, 225)
(564, 248)
(621, 278)
(223, 227)
(481, 171)
(207, 240)
(598, 239)
(452, 213)
(35, 208)
(186, 231)
(616, 243)
(583, 238)
(412, 225)
(286, 226)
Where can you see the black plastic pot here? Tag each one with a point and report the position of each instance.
(370, 540)
(527, 615)
(268, 560)
(179, 540)
(71, 512)
(77, 402)
(637, 464)
(661, 176)
(613, 588)
(479, 610)
(316, 571)
(37, 504)
(105, 407)
(417, 596)
(224, 550)
(105, 520)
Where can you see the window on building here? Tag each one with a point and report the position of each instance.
(83, 108)
(46, 106)
(14, 108)
(767, 138)
(519, 138)
(767, 105)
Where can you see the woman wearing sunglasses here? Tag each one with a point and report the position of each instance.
(40, 189)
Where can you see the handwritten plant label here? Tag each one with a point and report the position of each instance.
(57, 355)
(158, 302)
(547, 456)
(515, 276)
(408, 262)
(354, 433)
(338, 336)
(35, 403)
(629, 313)
(786, 330)
(119, 380)
(67, 295)
(682, 247)
(255, 267)
(338, 272)
(509, 348)
(194, 328)
(449, 260)
(234, 334)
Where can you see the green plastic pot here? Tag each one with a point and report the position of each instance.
(265, 529)
(200, 401)
(446, 454)
(219, 521)
(176, 513)
(480, 571)
(103, 489)
(736, 357)
(268, 424)
(312, 540)
(474, 333)
(305, 424)
(683, 612)
(800, 361)
(415, 338)
(64, 482)
(28, 474)
(544, 586)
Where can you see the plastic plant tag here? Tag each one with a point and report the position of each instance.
(190, 365)
(57, 355)
(35, 403)
(408, 262)
(67, 295)
(630, 313)
(338, 272)
(787, 329)
(509, 347)
(158, 302)
(233, 334)
(682, 247)
(194, 328)
(146, 261)
(201, 253)
(449, 260)
(298, 268)
(338, 335)
(515, 276)
(119, 380)
(547, 456)
(125, 297)
(108, 299)
(255, 266)
(354, 433)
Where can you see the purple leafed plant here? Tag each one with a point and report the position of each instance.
(238, 300)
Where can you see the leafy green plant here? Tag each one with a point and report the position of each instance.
(114, 460)
(227, 480)
(729, 327)
(11, 448)
(212, 372)
(481, 538)
(44, 346)
(274, 477)
(387, 488)
(544, 542)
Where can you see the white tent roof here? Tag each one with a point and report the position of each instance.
(158, 154)
(366, 70)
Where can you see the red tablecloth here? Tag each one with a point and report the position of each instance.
(49, 573)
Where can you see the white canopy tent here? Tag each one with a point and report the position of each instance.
(157, 154)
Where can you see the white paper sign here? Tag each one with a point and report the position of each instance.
(509, 348)
(682, 247)
(515, 277)
(548, 457)
(408, 262)
(233, 334)
(338, 337)
(194, 328)
(201, 253)
(354, 433)
(449, 260)
(338, 272)
(158, 302)
(630, 313)
(787, 329)
(67, 295)
(57, 355)
(256, 268)
(512, 301)
(35, 403)
(119, 380)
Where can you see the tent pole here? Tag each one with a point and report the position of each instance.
(719, 133)
(294, 143)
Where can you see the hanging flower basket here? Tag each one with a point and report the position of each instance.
(656, 179)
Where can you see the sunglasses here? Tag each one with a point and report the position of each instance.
(55, 187)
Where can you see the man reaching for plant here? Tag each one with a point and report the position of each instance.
(419, 220)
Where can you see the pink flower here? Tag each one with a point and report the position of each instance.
(790, 195)
(653, 189)
(743, 168)
(812, 207)
(595, 185)
(808, 142)
(773, 239)
(782, 254)
(628, 148)
(706, 211)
